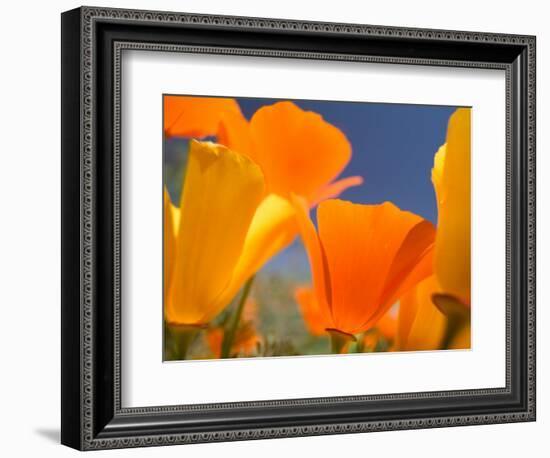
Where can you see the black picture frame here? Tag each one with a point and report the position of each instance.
(92, 40)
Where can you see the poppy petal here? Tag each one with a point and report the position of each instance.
(421, 326)
(298, 150)
(360, 243)
(335, 188)
(317, 261)
(451, 178)
(272, 229)
(221, 192)
(170, 230)
(412, 263)
(234, 132)
(306, 299)
(437, 173)
(387, 325)
(199, 117)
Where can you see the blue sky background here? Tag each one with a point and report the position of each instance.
(393, 147)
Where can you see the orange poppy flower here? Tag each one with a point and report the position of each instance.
(313, 318)
(387, 325)
(316, 325)
(363, 258)
(298, 151)
(197, 117)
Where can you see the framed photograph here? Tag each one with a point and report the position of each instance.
(277, 228)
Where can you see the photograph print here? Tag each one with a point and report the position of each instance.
(308, 227)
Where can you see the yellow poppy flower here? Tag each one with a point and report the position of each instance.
(451, 180)
(171, 225)
(420, 325)
(221, 236)
(461, 340)
(363, 258)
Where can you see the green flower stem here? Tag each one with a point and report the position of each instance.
(454, 325)
(229, 334)
(339, 341)
(360, 344)
(183, 337)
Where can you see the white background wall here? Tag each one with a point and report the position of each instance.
(30, 228)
